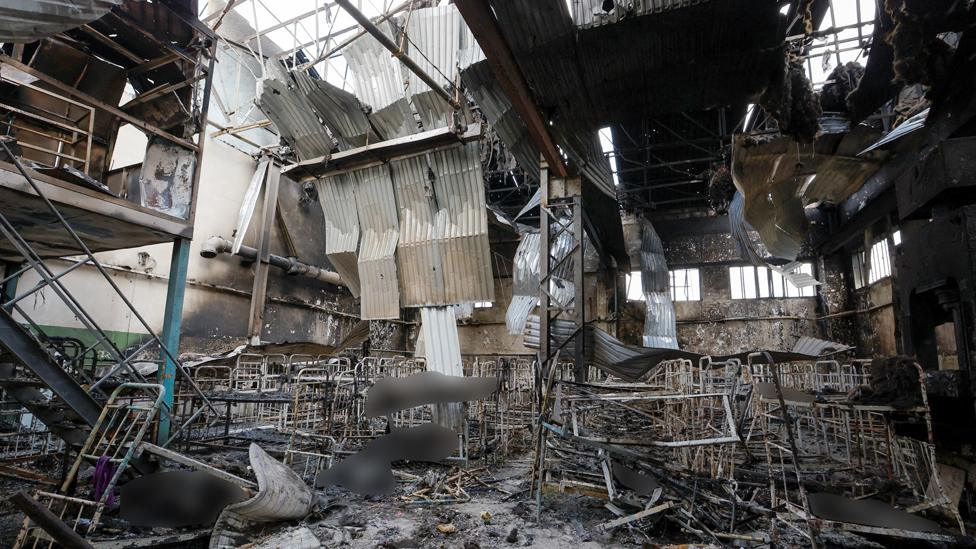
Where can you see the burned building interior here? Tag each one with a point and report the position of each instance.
(487, 273)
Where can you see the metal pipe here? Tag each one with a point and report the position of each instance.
(395, 50)
(216, 245)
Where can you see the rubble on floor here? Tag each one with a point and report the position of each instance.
(743, 451)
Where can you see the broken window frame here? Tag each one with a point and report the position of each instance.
(765, 283)
(690, 288)
(870, 269)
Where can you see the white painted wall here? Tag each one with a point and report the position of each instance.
(141, 273)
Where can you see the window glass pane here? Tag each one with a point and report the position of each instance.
(778, 285)
(749, 282)
(694, 280)
(762, 273)
(896, 237)
(635, 290)
(735, 282)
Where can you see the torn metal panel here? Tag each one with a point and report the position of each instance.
(282, 495)
(779, 178)
(437, 34)
(251, 196)
(660, 322)
(376, 205)
(440, 346)
(497, 108)
(339, 109)
(166, 179)
(30, 20)
(418, 253)
(525, 283)
(337, 195)
(818, 347)
(293, 115)
(394, 120)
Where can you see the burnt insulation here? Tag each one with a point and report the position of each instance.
(790, 100)
(721, 189)
(920, 56)
(841, 82)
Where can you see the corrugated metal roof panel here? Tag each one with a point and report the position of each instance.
(590, 13)
(418, 253)
(435, 41)
(377, 210)
(378, 76)
(443, 252)
(525, 283)
(660, 322)
(462, 223)
(30, 20)
(337, 195)
(442, 349)
(295, 119)
(394, 120)
(339, 109)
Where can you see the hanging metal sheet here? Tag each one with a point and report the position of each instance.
(293, 115)
(525, 283)
(462, 224)
(435, 40)
(439, 340)
(660, 322)
(250, 201)
(30, 20)
(378, 78)
(377, 210)
(443, 251)
(337, 195)
(339, 109)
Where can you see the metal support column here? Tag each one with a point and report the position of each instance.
(172, 322)
(260, 289)
(561, 264)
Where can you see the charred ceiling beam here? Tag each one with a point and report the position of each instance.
(484, 26)
(389, 44)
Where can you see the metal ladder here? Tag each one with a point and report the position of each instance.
(74, 406)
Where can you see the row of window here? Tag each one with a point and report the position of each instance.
(747, 282)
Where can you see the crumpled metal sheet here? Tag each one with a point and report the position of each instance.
(376, 205)
(289, 108)
(299, 538)
(660, 321)
(339, 109)
(337, 195)
(378, 78)
(282, 495)
(525, 283)
(30, 20)
(818, 347)
(497, 108)
(166, 177)
(779, 178)
(628, 362)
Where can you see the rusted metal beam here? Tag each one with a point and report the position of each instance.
(480, 19)
(389, 44)
(49, 522)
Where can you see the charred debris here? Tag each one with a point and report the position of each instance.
(487, 273)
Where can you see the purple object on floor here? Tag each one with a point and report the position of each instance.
(104, 470)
